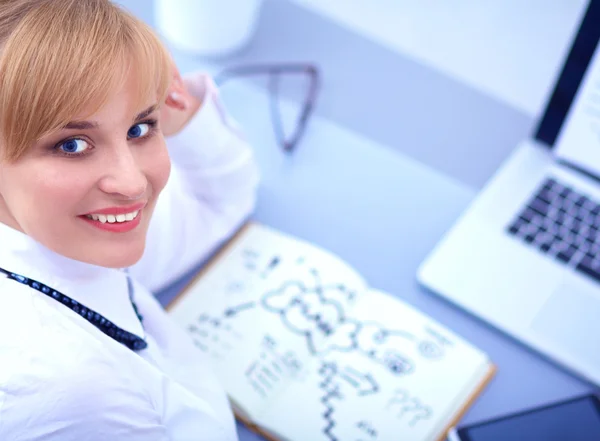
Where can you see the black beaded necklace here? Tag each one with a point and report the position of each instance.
(130, 340)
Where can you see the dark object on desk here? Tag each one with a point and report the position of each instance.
(275, 73)
(574, 420)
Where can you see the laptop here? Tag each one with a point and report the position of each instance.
(525, 255)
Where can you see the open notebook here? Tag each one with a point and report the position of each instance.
(307, 351)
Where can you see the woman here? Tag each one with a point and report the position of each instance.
(86, 352)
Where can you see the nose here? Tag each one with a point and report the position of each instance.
(124, 176)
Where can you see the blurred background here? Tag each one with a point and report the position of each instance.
(397, 113)
(480, 71)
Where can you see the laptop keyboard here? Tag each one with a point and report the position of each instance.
(563, 224)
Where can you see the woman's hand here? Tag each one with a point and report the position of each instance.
(179, 107)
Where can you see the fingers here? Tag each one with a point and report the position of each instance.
(176, 97)
(176, 100)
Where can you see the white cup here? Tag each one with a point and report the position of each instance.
(207, 27)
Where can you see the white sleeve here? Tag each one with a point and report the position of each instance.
(82, 402)
(210, 193)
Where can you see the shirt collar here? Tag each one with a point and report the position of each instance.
(103, 290)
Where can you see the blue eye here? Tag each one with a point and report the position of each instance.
(74, 146)
(138, 131)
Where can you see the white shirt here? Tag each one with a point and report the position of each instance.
(61, 378)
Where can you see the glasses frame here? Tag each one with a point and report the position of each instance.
(274, 72)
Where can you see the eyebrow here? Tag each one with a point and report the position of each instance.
(81, 125)
(86, 125)
(143, 114)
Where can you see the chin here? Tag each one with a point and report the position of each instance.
(117, 257)
(125, 260)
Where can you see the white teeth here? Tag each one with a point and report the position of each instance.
(111, 218)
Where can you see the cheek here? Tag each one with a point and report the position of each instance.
(48, 190)
(157, 165)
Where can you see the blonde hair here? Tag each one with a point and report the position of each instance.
(61, 57)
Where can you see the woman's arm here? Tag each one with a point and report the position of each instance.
(211, 191)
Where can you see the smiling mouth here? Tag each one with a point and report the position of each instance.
(114, 218)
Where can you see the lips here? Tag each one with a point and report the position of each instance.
(117, 210)
(115, 219)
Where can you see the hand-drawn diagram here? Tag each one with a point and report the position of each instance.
(403, 403)
(271, 366)
(342, 385)
(216, 343)
(317, 312)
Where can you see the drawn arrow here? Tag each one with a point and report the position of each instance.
(364, 383)
(230, 312)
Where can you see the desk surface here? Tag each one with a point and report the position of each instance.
(382, 200)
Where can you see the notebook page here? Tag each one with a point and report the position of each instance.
(401, 377)
(257, 311)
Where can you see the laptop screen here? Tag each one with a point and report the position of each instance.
(582, 52)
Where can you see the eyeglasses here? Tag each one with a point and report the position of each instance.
(275, 73)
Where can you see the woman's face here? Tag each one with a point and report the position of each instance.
(88, 191)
